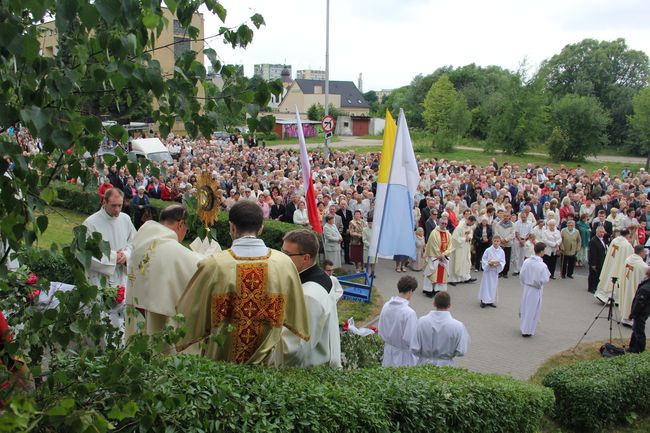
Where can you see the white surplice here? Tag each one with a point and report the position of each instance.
(460, 260)
(613, 266)
(635, 270)
(487, 293)
(534, 274)
(119, 233)
(324, 345)
(397, 325)
(439, 338)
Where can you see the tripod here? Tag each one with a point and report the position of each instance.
(611, 312)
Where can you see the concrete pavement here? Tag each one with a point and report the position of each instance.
(496, 343)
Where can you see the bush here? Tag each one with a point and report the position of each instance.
(74, 197)
(443, 141)
(593, 394)
(188, 393)
(361, 352)
(49, 265)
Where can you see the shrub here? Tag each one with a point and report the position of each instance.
(593, 394)
(187, 393)
(74, 197)
(49, 265)
(361, 352)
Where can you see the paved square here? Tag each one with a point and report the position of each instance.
(496, 343)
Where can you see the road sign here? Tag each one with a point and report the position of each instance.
(328, 123)
(329, 135)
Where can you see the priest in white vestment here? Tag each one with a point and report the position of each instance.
(460, 261)
(160, 268)
(439, 338)
(534, 274)
(117, 229)
(397, 325)
(436, 253)
(614, 266)
(324, 344)
(243, 296)
(492, 262)
(635, 271)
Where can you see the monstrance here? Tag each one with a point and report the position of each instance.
(209, 198)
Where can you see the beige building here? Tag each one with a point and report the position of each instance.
(343, 95)
(310, 74)
(173, 39)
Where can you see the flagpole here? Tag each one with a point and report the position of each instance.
(327, 73)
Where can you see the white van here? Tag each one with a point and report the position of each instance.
(152, 149)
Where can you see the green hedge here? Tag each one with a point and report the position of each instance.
(48, 265)
(591, 395)
(361, 352)
(74, 197)
(194, 394)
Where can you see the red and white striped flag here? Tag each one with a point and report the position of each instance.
(310, 196)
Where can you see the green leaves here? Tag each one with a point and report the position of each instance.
(119, 413)
(109, 10)
(258, 20)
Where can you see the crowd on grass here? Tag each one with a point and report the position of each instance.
(506, 199)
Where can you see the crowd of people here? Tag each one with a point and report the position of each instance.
(489, 218)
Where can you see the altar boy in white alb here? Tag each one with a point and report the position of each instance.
(492, 262)
(534, 274)
(117, 229)
(397, 325)
(439, 337)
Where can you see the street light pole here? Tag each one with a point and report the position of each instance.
(327, 72)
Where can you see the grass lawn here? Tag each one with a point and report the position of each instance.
(481, 158)
(584, 352)
(60, 225)
(361, 312)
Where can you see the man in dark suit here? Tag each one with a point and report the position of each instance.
(536, 208)
(597, 253)
(600, 221)
(346, 217)
(431, 224)
(278, 210)
(290, 208)
(426, 212)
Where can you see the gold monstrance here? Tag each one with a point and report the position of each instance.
(209, 198)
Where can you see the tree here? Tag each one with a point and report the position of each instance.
(606, 70)
(317, 112)
(640, 121)
(579, 127)
(107, 50)
(460, 118)
(517, 117)
(438, 104)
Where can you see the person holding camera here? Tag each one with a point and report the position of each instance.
(639, 315)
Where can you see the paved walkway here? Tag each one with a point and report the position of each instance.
(496, 343)
(345, 142)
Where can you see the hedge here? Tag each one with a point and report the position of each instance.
(594, 394)
(194, 394)
(74, 197)
(49, 265)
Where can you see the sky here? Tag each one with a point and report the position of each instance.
(392, 41)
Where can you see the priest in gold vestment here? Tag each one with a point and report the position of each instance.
(243, 296)
(160, 268)
(439, 248)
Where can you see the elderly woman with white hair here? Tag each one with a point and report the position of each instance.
(552, 238)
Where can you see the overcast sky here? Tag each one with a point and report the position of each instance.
(391, 41)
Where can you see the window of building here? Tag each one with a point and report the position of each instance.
(180, 46)
(346, 124)
(178, 29)
(318, 90)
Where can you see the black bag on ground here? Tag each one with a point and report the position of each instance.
(609, 350)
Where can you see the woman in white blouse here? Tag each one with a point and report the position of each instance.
(300, 216)
(552, 238)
